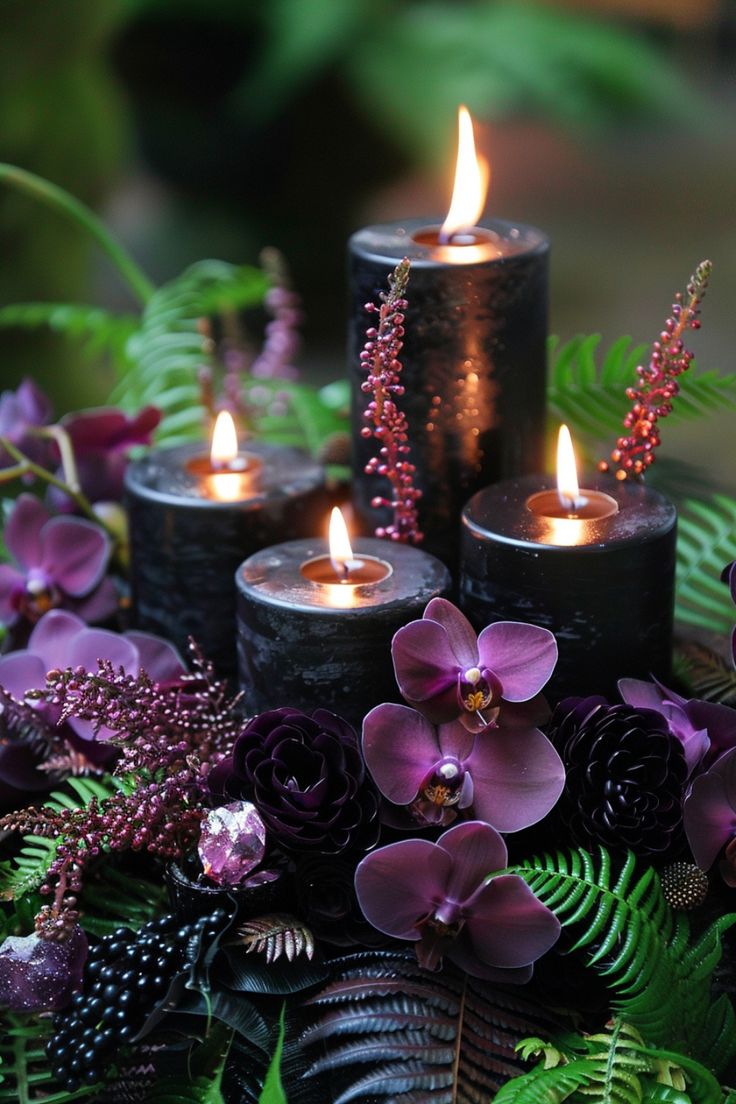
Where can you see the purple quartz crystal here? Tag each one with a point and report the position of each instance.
(38, 975)
(232, 842)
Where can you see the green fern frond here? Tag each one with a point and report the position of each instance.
(587, 389)
(660, 981)
(26, 1074)
(98, 332)
(706, 542)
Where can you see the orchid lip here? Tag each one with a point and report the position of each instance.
(444, 785)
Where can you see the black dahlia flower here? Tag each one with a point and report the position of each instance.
(625, 775)
(306, 777)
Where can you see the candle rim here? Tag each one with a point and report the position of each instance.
(393, 240)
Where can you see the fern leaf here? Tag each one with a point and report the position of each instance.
(707, 674)
(275, 935)
(26, 1075)
(587, 390)
(660, 981)
(706, 542)
(392, 1030)
(98, 332)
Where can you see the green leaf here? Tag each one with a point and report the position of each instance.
(706, 542)
(273, 1089)
(98, 332)
(660, 981)
(26, 1073)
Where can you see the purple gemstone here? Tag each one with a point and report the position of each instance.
(39, 975)
(232, 842)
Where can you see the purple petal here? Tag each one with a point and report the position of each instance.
(424, 661)
(509, 927)
(12, 587)
(719, 720)
(34, 405)
(461, 952)
(517, 776)
(455, 740)
(91, 645)
(21, 672)
(396, 886)
(461, 634)
(522, 656)
(157, 657)
(641, 694)
(23, 531)
(19, 773)
(100, 604)
(52, 637)
(527, 714)
(476, 850)
(710, 810)
(74, 553)
(399, 747)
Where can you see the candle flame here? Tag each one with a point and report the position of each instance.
(472, 174)
(224, 441)
(567, 476)
(341, 552)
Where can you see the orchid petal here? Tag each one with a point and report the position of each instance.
(641, 694)
(709, 813)
(21, 672)
(157, 657)
(100, 604)
(508, 926)
(719, 720)
(526, 714)
(400, 747)
(475, 850)
(74, 553)
(424, 662)
(23, 531)
(460, 633)
(397, 884)
(52, 637)
(92, 645)
(12, 585)
(455, 740)
(517, 775)
(461, 952)
(522, 656)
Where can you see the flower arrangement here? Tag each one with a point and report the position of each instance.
(481, 895)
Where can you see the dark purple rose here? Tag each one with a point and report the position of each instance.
(306, 777)
(326, 901)
(507, 777)
(40, 975)
(448, 673)
(101, 439)
(438, 896)
(626, 775)
(705, 729)
(59, 561)
(21, 411)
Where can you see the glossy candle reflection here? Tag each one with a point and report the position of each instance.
(473, 356)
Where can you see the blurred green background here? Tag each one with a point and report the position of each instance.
(215, 128)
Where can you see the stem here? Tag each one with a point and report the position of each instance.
(66, 204)
(66, 451)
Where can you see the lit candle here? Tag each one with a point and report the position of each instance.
(194, 515)
(474, 352)
(316, 620)
(596, 567)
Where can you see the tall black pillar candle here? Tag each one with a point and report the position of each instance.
(191, 527)
(309, 641)
(603, 585)
(473, 362)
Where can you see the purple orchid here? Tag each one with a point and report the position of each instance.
(40, 975)
(710, 815)
(437, 895)
(60, 561)
(729, 576)
(705, 729)
(61, 639)
(507, 777)
(22, 411)
(101, 439)
(448, 673)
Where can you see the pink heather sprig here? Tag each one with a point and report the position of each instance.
(386, 422)
(658, 386)
(282, 337)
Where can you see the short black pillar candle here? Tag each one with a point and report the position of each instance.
(186, 544)
(311, 644)
(473, 362)
(603, 586)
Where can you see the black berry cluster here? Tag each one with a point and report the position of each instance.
(126, 975)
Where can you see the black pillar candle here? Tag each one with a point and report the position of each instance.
(604, 585)
(473, 362)
(307, 640)
(191, 526)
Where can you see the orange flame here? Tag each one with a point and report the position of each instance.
(472, 174)
(567, 476)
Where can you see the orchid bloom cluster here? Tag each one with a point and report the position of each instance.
(384, 419)
(465, 748)
(61, 552)
(657, 386)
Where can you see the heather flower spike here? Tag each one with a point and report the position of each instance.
(437, 896)
(652, 397)
(508, 778)
(384, 420)
(59, 561)
(448, 673)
